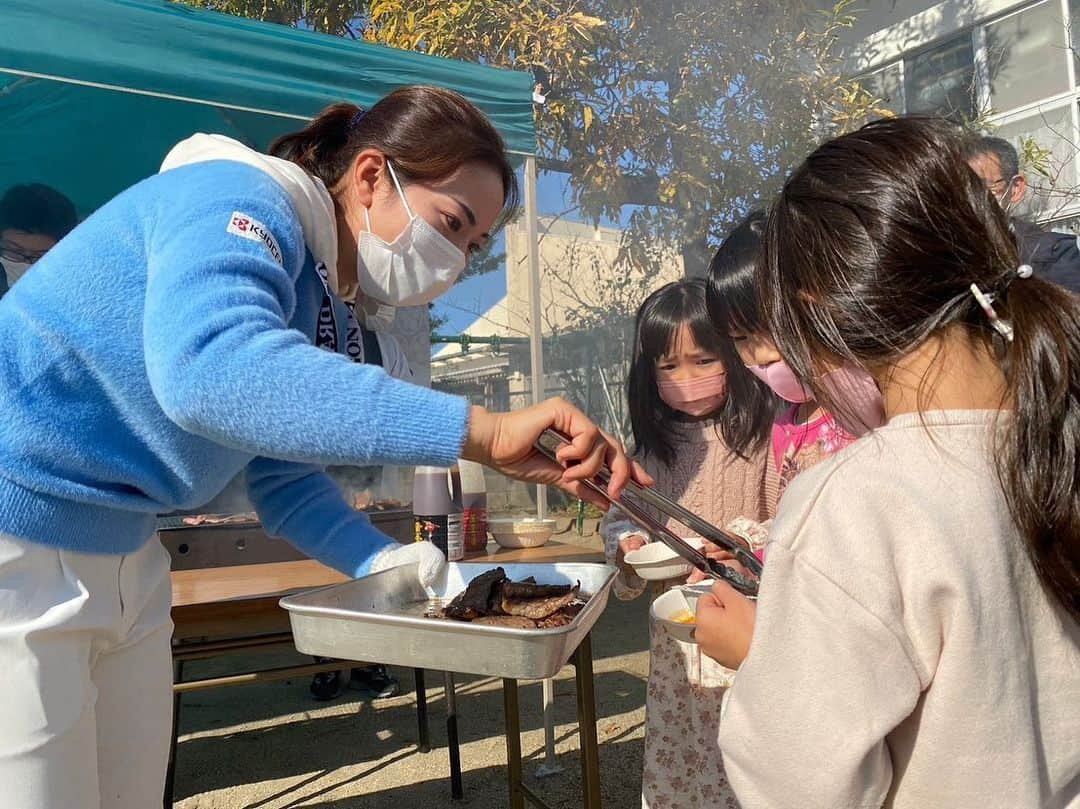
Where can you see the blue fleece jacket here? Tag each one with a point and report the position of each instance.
(165, 345)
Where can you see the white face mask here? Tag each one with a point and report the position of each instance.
(416, 268)
(15, 269)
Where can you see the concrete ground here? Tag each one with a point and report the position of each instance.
(270, 746)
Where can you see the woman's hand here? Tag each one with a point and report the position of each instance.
(504, 441)
(725, 624)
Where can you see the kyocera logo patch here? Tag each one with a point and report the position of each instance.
(241, 224)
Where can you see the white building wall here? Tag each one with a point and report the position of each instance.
(1006, 63)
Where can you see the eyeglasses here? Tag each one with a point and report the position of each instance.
(1002, 183)
(13, 252)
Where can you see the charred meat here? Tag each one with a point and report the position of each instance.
(478, 598)
(530, 589)
(491, 599)
(537, 608)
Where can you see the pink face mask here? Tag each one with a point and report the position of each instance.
(859, 392)
(695, 397)
(848, 384)
(782, 380)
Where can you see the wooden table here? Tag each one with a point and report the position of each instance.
(219, 602)
(553, 551)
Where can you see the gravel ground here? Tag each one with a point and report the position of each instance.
(270, 746)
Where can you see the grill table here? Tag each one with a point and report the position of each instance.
(382, 615)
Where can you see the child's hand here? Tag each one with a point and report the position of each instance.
(627, 545)
(725, 624)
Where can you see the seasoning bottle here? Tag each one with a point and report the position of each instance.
(437, 510)
(474, 506)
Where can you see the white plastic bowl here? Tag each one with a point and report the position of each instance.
(657, 562)
(520, 532)
(692, 592)
(670, 604)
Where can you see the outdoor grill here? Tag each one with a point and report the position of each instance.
(217, 544)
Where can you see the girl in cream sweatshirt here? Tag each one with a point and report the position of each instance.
(916, 639)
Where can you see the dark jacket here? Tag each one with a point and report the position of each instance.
(1053, 256)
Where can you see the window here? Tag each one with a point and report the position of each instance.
(1025, 55)
(887, 85)
(1073, 31)
(940, 80)
(1051, 129)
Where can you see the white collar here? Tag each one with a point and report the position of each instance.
(312, 202)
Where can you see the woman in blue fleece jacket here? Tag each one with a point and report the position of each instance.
(172, 341)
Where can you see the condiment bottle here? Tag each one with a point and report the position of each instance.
(474, 506)
(437, 510)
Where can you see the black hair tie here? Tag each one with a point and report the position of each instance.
(357, 117)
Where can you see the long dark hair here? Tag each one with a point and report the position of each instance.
(731, 298)
(872, 248)
(654, 423)
(427, 132)
(732, 294)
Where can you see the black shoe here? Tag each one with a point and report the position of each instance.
(327, 685)
(376, 680)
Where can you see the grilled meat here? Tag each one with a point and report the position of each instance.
(491, 599)
(526, 589)
(537, 608)
(476, 599)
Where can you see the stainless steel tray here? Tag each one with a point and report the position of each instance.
(380, 617)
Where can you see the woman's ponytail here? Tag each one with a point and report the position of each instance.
(1038, 458)
(318, 147)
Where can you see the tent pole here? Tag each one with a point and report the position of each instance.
(536, 334)
(536, 355)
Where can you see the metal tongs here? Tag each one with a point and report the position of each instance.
(631, 503)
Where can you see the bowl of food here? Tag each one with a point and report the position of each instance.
(674, 612)
(692, 592)
(520, 532)
(657, 562)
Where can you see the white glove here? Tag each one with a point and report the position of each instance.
(429, 560)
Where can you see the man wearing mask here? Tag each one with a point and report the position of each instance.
(1053, 256)
(33, 218)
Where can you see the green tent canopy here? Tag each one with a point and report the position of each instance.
(93, 94)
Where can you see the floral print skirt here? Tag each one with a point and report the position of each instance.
(683, 767)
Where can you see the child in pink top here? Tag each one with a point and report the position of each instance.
(804, 434)
(798, 445)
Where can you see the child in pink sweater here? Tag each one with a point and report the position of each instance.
(701, 431)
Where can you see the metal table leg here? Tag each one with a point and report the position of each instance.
(513, 743)
(586, 701)
(551, 764)
(452, 743)
(170, 773)
(424, 742)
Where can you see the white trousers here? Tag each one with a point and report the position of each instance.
(85, 677)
